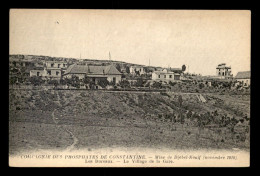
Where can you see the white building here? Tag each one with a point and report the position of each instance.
(223, 71)
(244, 78)
(54, 73)
(56, 64)
(165, 75)
(51, 70)
(137, 69)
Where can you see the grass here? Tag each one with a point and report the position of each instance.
(111, 119)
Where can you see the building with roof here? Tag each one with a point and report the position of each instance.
(223, 71)
(15, 62)
(50, 70)
(46, 74)
(176, 70)
(166, 75)
(244, 78)
(137, 69)
(56, 64)
(94, 72)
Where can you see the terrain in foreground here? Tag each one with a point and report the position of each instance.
(80, 119)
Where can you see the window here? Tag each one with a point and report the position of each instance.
(114, 80)
(52, 65)
(164, 76)
(58, 65)
(170, 76)
(57, 73)
(177, 77)
(158, 76)
(38, 73)
(64, 65)
(49, 72)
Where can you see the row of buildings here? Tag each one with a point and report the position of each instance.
(58, 69)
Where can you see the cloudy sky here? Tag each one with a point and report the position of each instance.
(199, 39)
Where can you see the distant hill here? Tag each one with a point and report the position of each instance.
(40, 58)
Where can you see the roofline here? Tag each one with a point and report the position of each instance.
(103, 74)
(73, 73)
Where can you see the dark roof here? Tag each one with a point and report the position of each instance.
(220, 67)
(243, 75)
(92, 69)
(175, 69)
(76, 69)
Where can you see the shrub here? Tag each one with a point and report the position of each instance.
(201, 85)
(140, 82)
(53, 82)
(103, 82)
(157, 85)
(36, 81)
(125, 83)
(172, 83)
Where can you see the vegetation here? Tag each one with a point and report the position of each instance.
(125, 84)
(175, 120)
(103, 82)
(183, 68)
(36, 81)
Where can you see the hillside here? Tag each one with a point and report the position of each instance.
(67, 119)
(40, 58)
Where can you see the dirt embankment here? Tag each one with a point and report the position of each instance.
(105, 119)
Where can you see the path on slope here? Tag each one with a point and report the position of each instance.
(75, 140)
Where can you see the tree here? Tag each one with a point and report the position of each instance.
(183, 68)
(35, 80)
(53, 82)
(139, 82)
(127, 69)
(74, 81)
(103, 82)
(201, 85)
(125, 83)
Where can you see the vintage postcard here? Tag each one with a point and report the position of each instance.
(129, 88)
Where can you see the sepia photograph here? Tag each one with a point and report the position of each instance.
(129, 88)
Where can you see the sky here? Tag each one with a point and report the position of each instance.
(199, 39)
